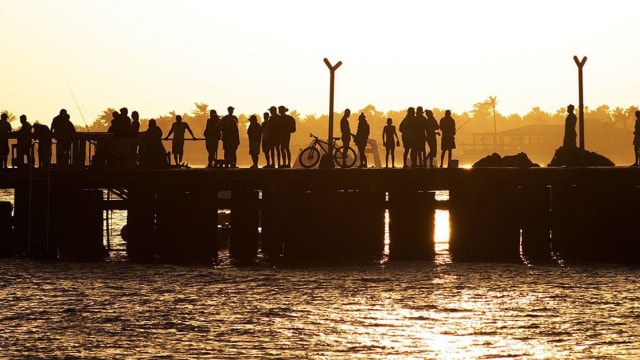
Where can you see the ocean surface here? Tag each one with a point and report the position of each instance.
(389, 310)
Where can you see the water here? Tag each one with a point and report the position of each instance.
(439, 309)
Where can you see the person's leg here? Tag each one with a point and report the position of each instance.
(393, 157)
(386, 158)
(404, 156)
(278, 154)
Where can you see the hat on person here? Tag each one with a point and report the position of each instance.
(230, 108)
(272, 108)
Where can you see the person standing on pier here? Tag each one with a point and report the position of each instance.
(42, 135)
(230, 137)
(64, 132)
(570, 134)
(177, 145)
(267, 146)
(345, 133)
(431, 132)
(212, 135)
(361, 138)
(289, 127)
(152, 153)
(448, 128)
(24, 140)
(276, 130)
(254, 133)
(390, 141)
(5, 130)
(636, 139)
(408, 129)
(421, 137)
(134, 130)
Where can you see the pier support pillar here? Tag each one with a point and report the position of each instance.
(140, 231)
(484, 223)
(244, 222)
(577, 223)
(187, 226)
(535, 220)
(411, 225)
(7, 246)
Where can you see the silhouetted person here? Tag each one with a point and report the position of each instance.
(177, 144)
(24, 140)
(125, 121)
(276, 133)
(421, 137)
(448, 128)
(267, 145)
(106, 150)
(5, 130)
(152, 153)
(408, 129)
(289, 123)
(345, 133)
(64, 132)
(121, 138)
(636, 139)
(361, 138)
(42, 135)
(431, 132)
(134, 131)
(570, 134)
(254, 133)
(212, 135)
(390, 140)
(230, 137)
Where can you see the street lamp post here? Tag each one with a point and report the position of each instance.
(332, 70)
(580, 64)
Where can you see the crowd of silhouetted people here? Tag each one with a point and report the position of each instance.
(127, 146)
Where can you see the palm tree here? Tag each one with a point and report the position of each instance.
(11, 117)
(493, 101)
(202, 109)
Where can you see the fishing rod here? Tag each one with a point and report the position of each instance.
(77, 105)
(463, 124)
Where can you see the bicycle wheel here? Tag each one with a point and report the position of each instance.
(309, 157)
(342, 161)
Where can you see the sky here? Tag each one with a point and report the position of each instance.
(157, 56)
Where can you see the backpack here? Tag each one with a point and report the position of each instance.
(292, 124)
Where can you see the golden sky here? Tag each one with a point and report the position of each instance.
(156, 56)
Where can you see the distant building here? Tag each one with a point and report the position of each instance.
(539, 142)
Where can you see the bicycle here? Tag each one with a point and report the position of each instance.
(310, 156)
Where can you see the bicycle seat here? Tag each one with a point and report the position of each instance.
(336, 138)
